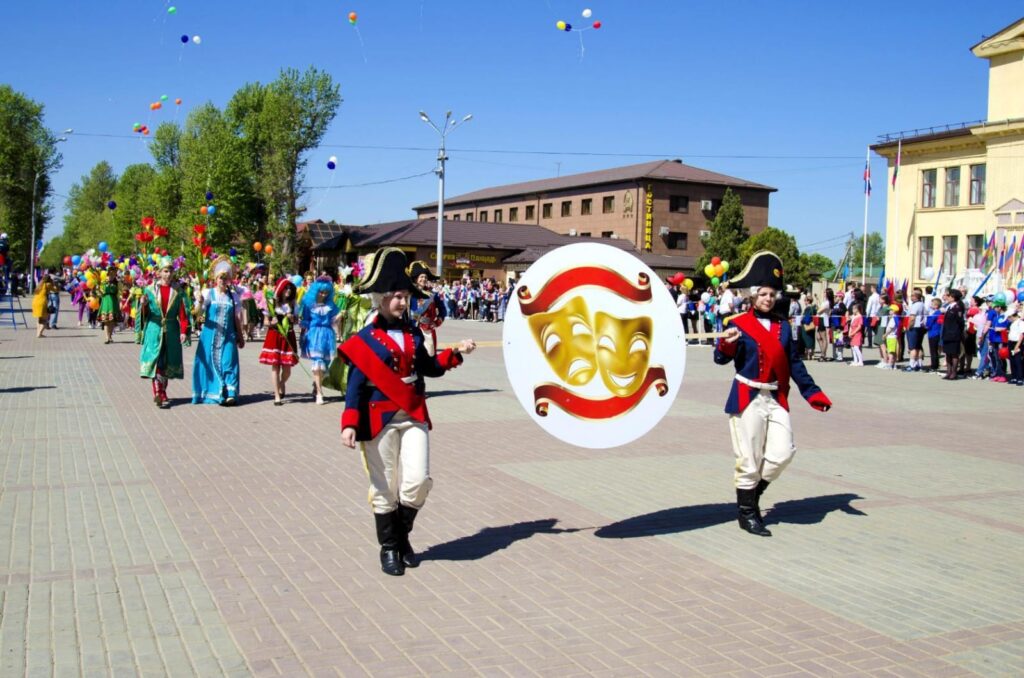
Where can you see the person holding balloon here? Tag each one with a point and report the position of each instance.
(279, 346)
(160, 312)
(215, 372)
(761, 347)
(108, 312)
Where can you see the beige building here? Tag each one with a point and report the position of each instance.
(958, 184)
(662, 207)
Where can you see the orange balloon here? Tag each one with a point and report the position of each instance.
(257, 246)
(269, 249)
(90, 284)
(203, 209)
(178, 101)
(352, 16)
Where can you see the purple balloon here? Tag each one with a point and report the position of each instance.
(330, 165)
(184, 39)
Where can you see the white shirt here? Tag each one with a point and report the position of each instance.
(1016, 330)
(917, 310)
(725, 303)
(874, 304)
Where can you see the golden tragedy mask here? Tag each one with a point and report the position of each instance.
(566, 339)
(623, 351)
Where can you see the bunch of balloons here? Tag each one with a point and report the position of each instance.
(352, 18)
(567, 27)
(680, 279)
(716, 269)
(195, 38)
(332, 162)
(1020, 291)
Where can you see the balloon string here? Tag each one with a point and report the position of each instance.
(324, 194)
(582, 49)
(362, 46)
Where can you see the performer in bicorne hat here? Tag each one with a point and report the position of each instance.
(760, 344)
(385, 405)
(428, 313)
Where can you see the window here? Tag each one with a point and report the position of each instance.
(975, 249)
(977, 184)
(531, 212)
(455, 217)
(925, 246)
(513, 214)
(677, 241)
(498, 216)
(952, 197)
(716, 205)
(586, 206)
(483, 215)
(545, 210)
(928, 188)
(679, 203)
(469, 216)
(607, 234)
(585, 234)
(949, 243)
(608, 204)
(567, 208)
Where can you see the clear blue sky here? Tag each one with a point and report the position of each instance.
(817, 80)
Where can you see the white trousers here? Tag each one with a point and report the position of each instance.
(762, 439)
(397, 462)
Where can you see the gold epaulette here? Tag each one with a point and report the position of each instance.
(725, 321)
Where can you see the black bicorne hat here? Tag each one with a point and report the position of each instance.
(418, 268)
(764, 269)
(385, 272)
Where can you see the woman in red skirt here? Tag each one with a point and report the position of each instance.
(279, 346)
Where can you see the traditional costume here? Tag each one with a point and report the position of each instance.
(428, 313)
(385, 404)
(319, 342)
(161, 316)
(215, 372)
(765, 356)
(279, 345)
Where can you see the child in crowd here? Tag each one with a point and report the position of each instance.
(856, 329)
(934, 328)
(891, 341)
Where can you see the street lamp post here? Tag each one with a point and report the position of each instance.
(449, 125)
(32, 244)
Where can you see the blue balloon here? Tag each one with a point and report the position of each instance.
(102, 247)
(1020, 285)
(184, 39)
(232, 251)
(76, 260)
(209, 195)
(112, 205)
(1020, 296)
(330, 165)
(211, 210)
(297, 280)
(568, 27)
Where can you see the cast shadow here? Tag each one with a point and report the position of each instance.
(491, 539)
(437, 394)
(807, 511)
(15, 357)
(23, 389)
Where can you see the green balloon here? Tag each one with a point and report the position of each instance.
(715, 281)
(163, 97)
(172, 10)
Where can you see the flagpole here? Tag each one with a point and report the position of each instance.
(867, 198)
(896, 197)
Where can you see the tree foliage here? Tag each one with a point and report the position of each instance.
(726, 233)
(855, 246)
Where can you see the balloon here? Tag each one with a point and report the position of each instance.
(209, 195)
(196, 39)
(102, 247)
(1004, 352)
(184, 39)
(112, 205)
(204, 209)
(1020, 296)
(90, 284)
(67, 261)
(93, 303)
(709, 271)
(269, 249)
(172, 10)
(597, 24)
(296, 280)
(560, 25)
(232, 251)
(333, 158)
(330, 165)
(715, 261)
(76, 260)
(725, 266)
(688, 283)
(1000, 298)
(928, 272)
(715, 281)
(1020, 285)
(178, 101)
(895, 308)
(257, 246)
(719, 271)
(352, 18)
(587, 13)
(136, 127)
(145, 132)
(212, 209)
(568, 27)
(163, 97)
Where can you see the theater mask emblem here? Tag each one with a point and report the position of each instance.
(589, 310)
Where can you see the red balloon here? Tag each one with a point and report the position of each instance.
(67, 261)
(597, 24)
(1004, 352)
(715, 261)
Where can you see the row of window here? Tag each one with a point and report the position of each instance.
(951, 195)
(950, 244)
(677, 203)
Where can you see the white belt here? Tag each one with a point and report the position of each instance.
(411, 379)
(760, 385)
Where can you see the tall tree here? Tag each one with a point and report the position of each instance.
(88, 220)
(28, 154)
(855, 245)
(133, 196)
(727, 233)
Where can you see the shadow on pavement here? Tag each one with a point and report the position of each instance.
(491, 539)
(436, 394)
(15, 357)
(685, 518)
(23, 389)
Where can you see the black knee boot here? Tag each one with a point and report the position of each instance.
(388, 537)
(406, 517)
(749, 514)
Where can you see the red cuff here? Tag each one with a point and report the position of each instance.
(449, 359)
(820, 402)
(727, 348)
(350, 418)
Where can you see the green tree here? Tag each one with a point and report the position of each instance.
(28, 154)
(133, 195)
(855, 245)
(780, 242)
(88, 220)
(727, 233)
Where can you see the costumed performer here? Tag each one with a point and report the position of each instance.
(279, 346)
(386, 409)
(761, 346)
(428, 313)
(161, 311)
(318, 316)
(215, 372)
(41, 305)
(108, 316)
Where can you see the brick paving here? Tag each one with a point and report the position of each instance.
(209, 541)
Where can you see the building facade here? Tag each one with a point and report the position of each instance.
(662, 207)
(957, 185)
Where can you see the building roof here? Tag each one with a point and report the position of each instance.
(475, 234)
(321, 231)
(665, 170)
(914, 136)
(1006, 39)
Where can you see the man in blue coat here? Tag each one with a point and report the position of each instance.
(761, 346)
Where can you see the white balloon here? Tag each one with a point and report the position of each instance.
(196, 39)
(333, 159)
(929, 272)
(587, 13)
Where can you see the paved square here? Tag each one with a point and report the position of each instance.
(210, 541)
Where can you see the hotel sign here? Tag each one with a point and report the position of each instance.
(649, 218)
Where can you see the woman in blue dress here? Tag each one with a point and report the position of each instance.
(215, 371)
(319, 318)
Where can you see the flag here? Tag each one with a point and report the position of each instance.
(906, 282)
(989, 249)
(891, 290)
(881, 280)
(896, 167)
(846, 271)
(867, 178)
(1009, 256)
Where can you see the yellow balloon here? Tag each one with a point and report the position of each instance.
(560, 25)
(709, 271)
(725, 266)
(688, 283)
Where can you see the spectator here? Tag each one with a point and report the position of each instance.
(857, 336)
(871, 308)
(934, 328)
(952, 332)
(1016, 337)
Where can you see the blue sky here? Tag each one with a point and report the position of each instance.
(804, 85)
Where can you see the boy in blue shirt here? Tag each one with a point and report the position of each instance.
(934, 328)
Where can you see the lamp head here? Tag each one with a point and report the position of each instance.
(423, 117)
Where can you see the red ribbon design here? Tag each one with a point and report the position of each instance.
(582, 407)
(566, 281)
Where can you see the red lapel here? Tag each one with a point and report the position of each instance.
(384, 378)
(769, 344)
